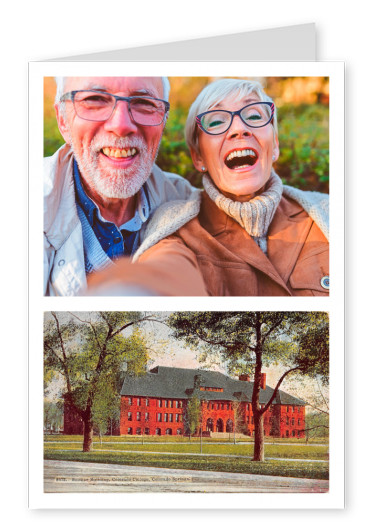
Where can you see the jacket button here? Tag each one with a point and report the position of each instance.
(325, 282)
(61, 262)
(117, 240)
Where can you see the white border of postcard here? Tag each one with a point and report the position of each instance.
(333, 304)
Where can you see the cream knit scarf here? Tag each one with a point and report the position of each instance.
(255, 215)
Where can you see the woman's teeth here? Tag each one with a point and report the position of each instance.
(119, 153)
(241, 153)
(241, 158)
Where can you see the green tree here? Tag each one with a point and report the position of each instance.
(106, 406)
(193, 411)
(88, 350)
(247, 341)
(193, 414)
(53, 415)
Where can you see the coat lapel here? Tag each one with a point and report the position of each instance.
(237, 242)
(287, 234)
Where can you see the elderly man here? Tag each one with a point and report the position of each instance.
(102, 186)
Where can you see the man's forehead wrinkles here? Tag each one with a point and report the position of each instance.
(129, 90)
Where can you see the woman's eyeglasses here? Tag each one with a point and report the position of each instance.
(254, 115)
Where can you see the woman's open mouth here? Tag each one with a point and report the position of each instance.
(241, 158)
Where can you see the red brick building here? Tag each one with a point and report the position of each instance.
(156, 404)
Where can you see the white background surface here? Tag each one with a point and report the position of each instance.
(41, 30)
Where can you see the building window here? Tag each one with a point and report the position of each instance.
(130, 431)
(178, 431)
(288, 409)
(169, 431)
(171, 417)
(298, 422)
(146, 416)
(293, 433)
(147, 431)
(229, 426)
(159, 417)
(146, 401)
(158, 431)
(160, 403)
(166, 417)
(138, 415)
(180, 403)
(287, 433)
(130, 401)
(166, 403)
(138, 431)
(176, 403)
(287, 421)
(171, 403)
(177, 417)
(292, 422)
(139, 401)
(129, 415)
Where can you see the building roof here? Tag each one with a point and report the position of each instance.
(177, 383)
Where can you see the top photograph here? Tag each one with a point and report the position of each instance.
(186, 186)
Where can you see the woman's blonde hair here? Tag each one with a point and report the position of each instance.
(216, 92)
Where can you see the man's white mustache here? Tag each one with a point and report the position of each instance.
(98, 143)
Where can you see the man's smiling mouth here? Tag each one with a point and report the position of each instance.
(116, 153)
(241, 158)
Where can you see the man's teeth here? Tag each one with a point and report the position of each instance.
(241, 153)
(119, 153)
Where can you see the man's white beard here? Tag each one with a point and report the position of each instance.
(114, 183)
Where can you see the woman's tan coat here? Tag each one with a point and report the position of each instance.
(213, 255)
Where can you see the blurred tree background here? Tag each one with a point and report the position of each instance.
(303, 124)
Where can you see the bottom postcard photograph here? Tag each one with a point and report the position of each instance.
(186, 402)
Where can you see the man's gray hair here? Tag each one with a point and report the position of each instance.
(60, 84)
(216, 92)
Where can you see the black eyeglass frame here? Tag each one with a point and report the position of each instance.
(236, 113)
(71, 95)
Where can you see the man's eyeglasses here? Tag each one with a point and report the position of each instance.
(98, 106)
(253, 115)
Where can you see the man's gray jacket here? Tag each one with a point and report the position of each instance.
(64, 263)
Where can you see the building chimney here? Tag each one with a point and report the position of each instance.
(244, 378)
(263, 380)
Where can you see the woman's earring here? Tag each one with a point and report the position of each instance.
(273, 158)
(203, 168)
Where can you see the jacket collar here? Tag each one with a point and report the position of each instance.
(60, 214)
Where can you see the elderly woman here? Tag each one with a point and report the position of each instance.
(248, 234)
